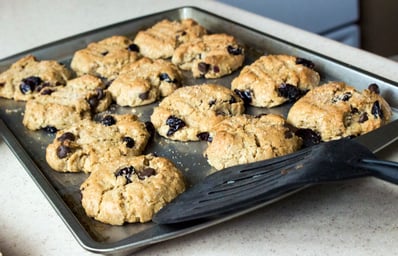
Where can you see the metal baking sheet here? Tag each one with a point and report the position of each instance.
(62, 189)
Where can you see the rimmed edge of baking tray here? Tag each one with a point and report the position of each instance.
(128, 245)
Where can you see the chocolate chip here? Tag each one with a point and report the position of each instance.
(305, 62)
(374, 88)
(63, 151)
(126, 172)
(203, 67)
(309, 137)
(290, 92)
(133, 48)
(245, 95)
(234, 50)
(363, 117)
(108, 120)
(66, 136)
(204, 136)
(376, 110)
(175, 124)
(147, 172)
(129, 142)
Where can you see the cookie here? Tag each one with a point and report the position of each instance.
(60, 107)
(28, 76)
(336, 110)
(245, 139)
(144, 82)
(89, 143)
(164, 37)
(129, 190)
(275, 79)
(105, 58)
(191, 111)
(211, 56)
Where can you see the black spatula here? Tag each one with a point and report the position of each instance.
(245, 186)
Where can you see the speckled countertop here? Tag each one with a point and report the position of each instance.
(347, 218)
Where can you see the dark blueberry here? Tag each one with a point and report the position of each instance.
(305, 62)
(204, 136)
(147, 172)
(346, 96)
(363, 117)
(133, 48)
(143, 96)
(100, 93)
(216, 69)
(108, 120)
(104, 53)
(46, 91)
(220, 112)
(309, 137)
(126, 172)
(93, 102)
(129, 142)
(234, 50)
(203, 67)
(290, 92)
(150, 128)
(66, 136)
(63, 151)
(376, 110)
(245, 95)
(212, 102)
(175, 124)
(29, 84)
(232, 100)
(50, 129)
(165, 77)
(354, 110)
(2, 84)
(374, 88)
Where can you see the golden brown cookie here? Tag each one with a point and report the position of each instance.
(28, 76)
(336, 110)
(130, 189)
(192, 110)
(144, 82)
(62, 106)
(275, 79)
(245, 139)
(211, 56)
(89, 143)
(105, 58)
(164, 37)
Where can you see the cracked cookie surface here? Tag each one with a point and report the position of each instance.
(130, 189)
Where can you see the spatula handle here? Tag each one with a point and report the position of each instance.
(385, 170)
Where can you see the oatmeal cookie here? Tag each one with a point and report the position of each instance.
(28, 76)
(211, 56)
(131, 189)
(336, 110)
(164, 37)
(245, 139)
(191, 111)
(60, 107)
(275, 79)
(144, 82)
(89, 143)
(105, 58)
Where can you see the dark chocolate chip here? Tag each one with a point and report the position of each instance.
(147, 172)
(203, 67)
(374, 88)
(175, 124)
(204, 136)
(245, 95)
(108, 120)
(290, 92)
(129, 142)
(305, 62)
(63, 151)
(234, 50)
(133, 48)
(309, 137)
(376, 110)
(66, 136)
(363, 117)
(126, 172)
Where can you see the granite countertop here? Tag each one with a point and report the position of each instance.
(346, 218)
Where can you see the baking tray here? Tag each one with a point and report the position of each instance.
(62, 189)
